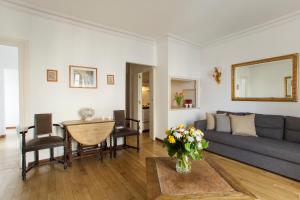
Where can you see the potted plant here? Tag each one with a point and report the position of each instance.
(185, 144)
(179, 96)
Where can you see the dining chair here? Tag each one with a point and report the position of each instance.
(43, 138)
(122, 130)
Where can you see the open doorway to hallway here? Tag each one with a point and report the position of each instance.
(9, 89)
(139, 96)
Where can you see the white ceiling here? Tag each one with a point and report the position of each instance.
(198, 21)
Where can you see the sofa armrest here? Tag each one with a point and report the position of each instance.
(201, 125)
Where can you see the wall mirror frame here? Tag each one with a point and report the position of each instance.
(293, 78)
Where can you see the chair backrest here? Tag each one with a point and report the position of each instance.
(43, 124)
(119, 117)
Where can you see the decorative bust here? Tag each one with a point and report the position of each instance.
(86, 113)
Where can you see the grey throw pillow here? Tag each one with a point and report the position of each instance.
(223, 123)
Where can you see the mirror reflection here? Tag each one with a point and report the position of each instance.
(265, 80)
(272, 79)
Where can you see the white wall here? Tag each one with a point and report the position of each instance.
(161, 88)
(11, 95)
(183, 61)
(2, 119)
(56, 45)
(279, 40)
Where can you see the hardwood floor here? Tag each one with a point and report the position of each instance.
(121, 178)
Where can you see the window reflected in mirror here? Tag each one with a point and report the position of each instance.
(273, 79)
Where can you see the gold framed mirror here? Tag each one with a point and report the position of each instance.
(272, 79)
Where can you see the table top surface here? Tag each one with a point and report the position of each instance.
(207, 179)
(78, 122)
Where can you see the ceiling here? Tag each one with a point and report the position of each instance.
(198, 21)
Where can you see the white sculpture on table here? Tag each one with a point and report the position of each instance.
(86, 113)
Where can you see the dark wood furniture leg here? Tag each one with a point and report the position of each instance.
(69, 141)
(110, 146)
(36, 157)
(51, 154)
(115, 147)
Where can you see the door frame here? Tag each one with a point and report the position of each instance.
(22, 46)
(152, 69)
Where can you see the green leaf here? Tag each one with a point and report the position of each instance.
(204, 144)
(187, 147)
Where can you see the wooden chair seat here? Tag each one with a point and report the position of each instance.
(125, 132)
(44, 143)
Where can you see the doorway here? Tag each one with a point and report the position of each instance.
(9, 89)
(139, 96)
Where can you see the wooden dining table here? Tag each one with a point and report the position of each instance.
(89, 134)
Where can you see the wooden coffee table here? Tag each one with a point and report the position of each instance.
(207, 181)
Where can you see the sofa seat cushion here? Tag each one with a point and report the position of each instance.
(275, 148)
(269, 126)
(292, 129)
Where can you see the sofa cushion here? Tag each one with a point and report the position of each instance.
(292, 129)
(211, 121)
(223, 123)
(243, 125)
(269, 126)
(275, 148)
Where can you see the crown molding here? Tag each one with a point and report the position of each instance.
(252, 30)
(182, 40)
(110, 30)
(48, 14)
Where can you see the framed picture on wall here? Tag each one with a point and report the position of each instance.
(51, 75)
(83, 77)
(110, 79)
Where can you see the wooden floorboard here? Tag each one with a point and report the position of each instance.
(118, 179)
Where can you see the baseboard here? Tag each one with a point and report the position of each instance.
(158, 139)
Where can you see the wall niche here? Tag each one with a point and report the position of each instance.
(183, 93)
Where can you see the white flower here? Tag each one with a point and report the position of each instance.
(186, 132)
(199, 133)
(198, 138)
(181, 130)
(190, 139)
(199, 145)
(177, 135)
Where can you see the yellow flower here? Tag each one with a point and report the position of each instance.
(168, 132)
(171, 139)
(181, 126)
(192, 130)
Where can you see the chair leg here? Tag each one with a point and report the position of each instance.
(51, 154)
(24, 166)
(124, 144)
(65, 157)
(115, 147)
(36, 157)
(138, 142)
(110, 147)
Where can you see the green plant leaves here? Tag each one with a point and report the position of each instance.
(187, 147)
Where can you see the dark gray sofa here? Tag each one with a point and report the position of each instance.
(277, 147)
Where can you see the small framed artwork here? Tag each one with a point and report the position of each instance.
(51, 75)
(83, 77)
(110, 79)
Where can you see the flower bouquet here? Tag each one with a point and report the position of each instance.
(185, 144)
(179, 98)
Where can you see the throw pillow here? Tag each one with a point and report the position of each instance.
(243, 125)
(210, 118)
(223, 123)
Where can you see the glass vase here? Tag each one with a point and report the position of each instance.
(183, 165)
